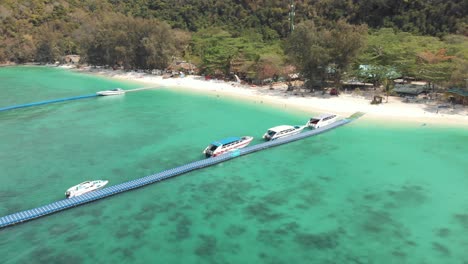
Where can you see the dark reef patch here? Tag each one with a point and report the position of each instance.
(207, 247)
(262, 212)
(462, 219)
(42, 254)
(122, 233)
(377, 221)
(235, 230)
(390, 205)
(77, 237)
(96, 212)
(213, 212)
(371, 197)
(398, 253)
(311, 194)
(125, 252)
(383, 227)
(269, 238)
(276, 198)
(46, 255)
(287, 229)
(183, 228)
(94, 222)
(147, 213)
(62, 228)
(442, 232)
(325, 178)
(162, 207)
(443, 250)
(323, 241)
(408, 195)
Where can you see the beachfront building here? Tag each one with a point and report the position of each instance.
(355, 84)
(458, 95)
(410, 89)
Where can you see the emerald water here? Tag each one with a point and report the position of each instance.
(362, 193)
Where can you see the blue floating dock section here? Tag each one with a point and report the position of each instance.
(48, 102)
(112, 190)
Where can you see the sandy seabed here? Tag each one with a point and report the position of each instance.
(395, 110)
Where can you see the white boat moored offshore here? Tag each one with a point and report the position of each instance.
(225, 145)
(282, 131)
(115, 91)
(85, 187)
(323, 120)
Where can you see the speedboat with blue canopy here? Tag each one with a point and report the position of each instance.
(225, 145)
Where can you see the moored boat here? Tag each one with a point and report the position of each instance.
(115, 91)
(85, 187)
(323, 120)
(225, 145)
(282, 131)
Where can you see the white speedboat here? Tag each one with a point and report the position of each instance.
(323, 120)
(115, 91)
(225, 145)
(282, 131)
(85, 187)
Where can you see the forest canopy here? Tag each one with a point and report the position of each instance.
(422, 39)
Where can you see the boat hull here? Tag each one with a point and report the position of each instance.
(219, 151)
(117, 91)
(294, 132)
(315, 123)
(85, 187)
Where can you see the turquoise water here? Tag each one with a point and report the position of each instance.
(362, 193)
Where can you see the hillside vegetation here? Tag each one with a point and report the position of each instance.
(422, 39)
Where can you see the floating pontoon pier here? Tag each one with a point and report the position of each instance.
(66, 99)
(130, 185)
(48, 102)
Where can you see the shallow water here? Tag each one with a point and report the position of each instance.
(362, 193)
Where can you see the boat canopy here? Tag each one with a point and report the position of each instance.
(324, 116)
(280, 128)
(225, 141)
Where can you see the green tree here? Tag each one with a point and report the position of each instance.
(307, 51)
(459, 76)
(376, 74)
(23, 49)
(131, 43)
(47, 47)
(216, 48)
(345, 41)
(268, 67)
(320, 52)
(435, 67)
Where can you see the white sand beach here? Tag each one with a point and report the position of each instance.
(344, 104)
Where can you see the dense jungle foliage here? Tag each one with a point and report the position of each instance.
(418, 38)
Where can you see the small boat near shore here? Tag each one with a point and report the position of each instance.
(282, 131)
(85, 187)
(116, 91)
(225, 145)
(323, 120)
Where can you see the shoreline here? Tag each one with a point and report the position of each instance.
(345, 104)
